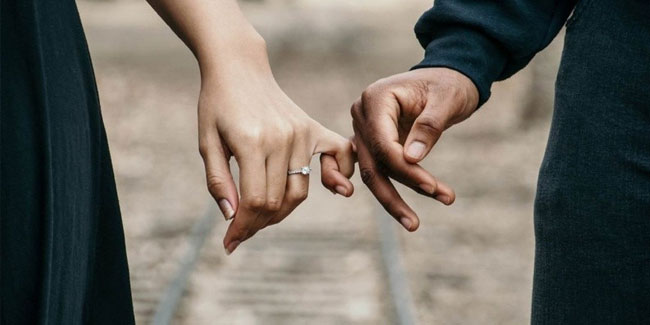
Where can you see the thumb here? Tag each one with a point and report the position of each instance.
(425, 132)
(218, 177)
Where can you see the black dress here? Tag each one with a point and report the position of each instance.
(592, 210)
(63, 258)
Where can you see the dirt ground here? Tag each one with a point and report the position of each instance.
(468, 264)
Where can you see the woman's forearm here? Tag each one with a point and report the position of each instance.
(216, 31)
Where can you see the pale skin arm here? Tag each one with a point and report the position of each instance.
(244, 113)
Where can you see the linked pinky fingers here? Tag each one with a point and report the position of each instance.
(332, 178)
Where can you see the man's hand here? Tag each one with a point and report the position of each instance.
(397, 121)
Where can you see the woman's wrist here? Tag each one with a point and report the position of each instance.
(244, 53)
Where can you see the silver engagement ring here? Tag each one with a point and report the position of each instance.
(304, 171)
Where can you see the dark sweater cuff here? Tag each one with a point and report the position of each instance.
(468, 52)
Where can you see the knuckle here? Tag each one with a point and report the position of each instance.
(327, 181)
(357, 126)
(299, 196)
(379, 151)
(203, 150)
(368, 176)
(273, 139)
(369, 93)
(393, 207)
(299, 130)
(345, 146)
(376, 89)
(429, 124)
(285, 132)
(295, 130)
(273, 205)
(255, 202)
(239, 233)
(215, 183)
(355, 110)
(281, 136)
(253, 136)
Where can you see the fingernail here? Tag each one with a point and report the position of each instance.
(406, 223)
(231, 248)
(341, 190)
(428, 188)
(226, 209)
(416, 150)
(444, 199)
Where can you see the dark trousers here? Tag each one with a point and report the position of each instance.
(592, 211)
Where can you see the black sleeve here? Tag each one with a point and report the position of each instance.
(488, 40)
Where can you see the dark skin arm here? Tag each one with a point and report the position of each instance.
(397, 121)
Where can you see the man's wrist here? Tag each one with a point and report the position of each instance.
(462, 86)
(471, 92)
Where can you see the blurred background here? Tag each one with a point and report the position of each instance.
(467, 264)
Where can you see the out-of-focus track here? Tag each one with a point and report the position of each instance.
(332, 278)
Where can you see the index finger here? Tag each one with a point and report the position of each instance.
(381, 137)
(383, 190)
(252, 179)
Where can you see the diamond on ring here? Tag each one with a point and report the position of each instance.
(304, 171)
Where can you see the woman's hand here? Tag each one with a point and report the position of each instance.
(244, 113)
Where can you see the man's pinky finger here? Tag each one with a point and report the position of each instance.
(382, 188)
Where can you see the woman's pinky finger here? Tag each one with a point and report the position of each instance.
(332, 178)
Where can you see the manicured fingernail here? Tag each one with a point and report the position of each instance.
(406, 222)
(428, 188)
(416, 150)
(444, 199)
(231, 248)
(226, 209)
(341, 190)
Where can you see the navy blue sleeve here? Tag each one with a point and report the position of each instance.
(488, 40)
